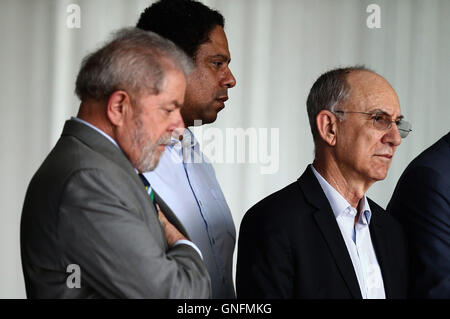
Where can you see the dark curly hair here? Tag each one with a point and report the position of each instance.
(187, 23)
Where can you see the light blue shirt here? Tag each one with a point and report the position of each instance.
(178, 242)
(357, 239)
(186, 181)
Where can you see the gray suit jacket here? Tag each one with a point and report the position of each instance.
(86, 206)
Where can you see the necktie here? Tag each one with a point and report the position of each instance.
(151, 193)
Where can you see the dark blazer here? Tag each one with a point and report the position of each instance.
(86, 206)
(290, 246)
(421, 202)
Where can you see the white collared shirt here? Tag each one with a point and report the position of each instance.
(357, 239)
(186, 181)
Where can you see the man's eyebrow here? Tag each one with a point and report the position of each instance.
(222, 56)
(177, 104)
(384, 112)
(173, 102)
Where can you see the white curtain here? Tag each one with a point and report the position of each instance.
(278, 49)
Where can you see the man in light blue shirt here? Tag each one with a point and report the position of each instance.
(191, 190)
(184, 178)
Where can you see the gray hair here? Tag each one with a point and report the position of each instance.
(330, 90)
(133, 60)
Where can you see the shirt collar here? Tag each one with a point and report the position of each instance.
(101, 132)
(364, 207)
(97, 129)
(188, 140)
(338, 203)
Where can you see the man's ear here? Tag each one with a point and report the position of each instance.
(119, 103)
(326, 126)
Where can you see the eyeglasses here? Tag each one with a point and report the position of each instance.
(382, 121)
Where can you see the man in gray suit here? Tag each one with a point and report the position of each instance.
(89, 228)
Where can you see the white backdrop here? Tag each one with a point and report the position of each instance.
(278, 49)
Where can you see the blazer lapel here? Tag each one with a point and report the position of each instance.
(381, 247)
(171, 216)
(447, 138)
(330, 230)
(101, 144)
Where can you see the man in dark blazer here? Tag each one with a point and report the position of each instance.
(89, 228)
(421, 202)
(321, 237)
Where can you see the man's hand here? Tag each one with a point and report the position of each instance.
(172, 234)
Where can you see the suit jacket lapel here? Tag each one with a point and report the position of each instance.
(381, 246)
(98, 142)
(171, 216)
(330, 229)
(447, 138)
(101, 144)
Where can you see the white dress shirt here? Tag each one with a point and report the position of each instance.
(186, 181)
(357, 239)
(178, 242)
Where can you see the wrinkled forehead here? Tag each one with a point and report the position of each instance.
(370, 92)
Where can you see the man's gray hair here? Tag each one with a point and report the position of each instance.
(134, 61)
(330, 90)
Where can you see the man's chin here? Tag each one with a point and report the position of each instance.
(379, 174)
(151, 162)
(204, 118)
(156, 158)
(211, 117)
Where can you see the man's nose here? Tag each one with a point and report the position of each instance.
(392, 135)
(176, 120)
(228, 79)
